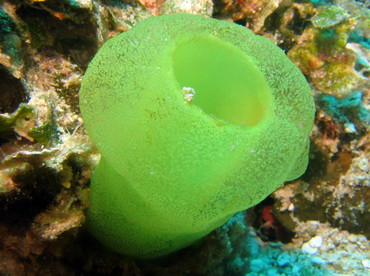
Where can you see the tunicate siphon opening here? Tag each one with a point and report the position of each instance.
(221, 80)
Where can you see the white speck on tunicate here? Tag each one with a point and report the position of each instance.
(188, 93)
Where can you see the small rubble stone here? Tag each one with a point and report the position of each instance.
(308, 249)
(316, 242)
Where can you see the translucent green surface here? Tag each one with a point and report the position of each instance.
(196, 119)
(225, 81)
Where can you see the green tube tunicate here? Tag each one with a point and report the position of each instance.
(195, 119)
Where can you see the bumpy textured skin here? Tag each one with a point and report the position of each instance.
(170, 173)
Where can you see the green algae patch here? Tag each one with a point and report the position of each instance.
(196, 119)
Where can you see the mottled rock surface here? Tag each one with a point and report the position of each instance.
(46, 159)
